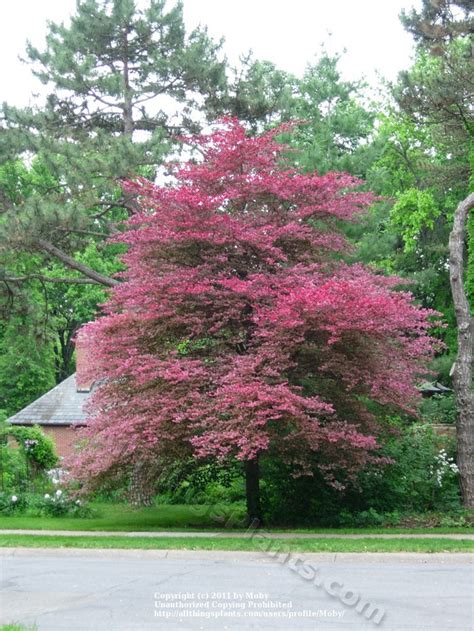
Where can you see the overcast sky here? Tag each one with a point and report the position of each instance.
(287, 32)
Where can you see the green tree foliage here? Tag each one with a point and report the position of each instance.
(406, 232)
(122, 78)
(339, 125)
(439, 22)
(424, 170)
(26, 363)
(41, 317)
(414, 211)
(257, 92)
(438, 92)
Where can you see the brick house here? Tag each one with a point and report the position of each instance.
(58, 412)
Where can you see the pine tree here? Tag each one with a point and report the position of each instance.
(439, 22)
(121, 81)
(257, 93)
(338, 127)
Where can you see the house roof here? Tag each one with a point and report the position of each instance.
(63, 405)
(433, 387)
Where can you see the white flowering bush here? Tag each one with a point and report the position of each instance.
(56, 503)
(60, 503)
(423, 476)
(444, 468)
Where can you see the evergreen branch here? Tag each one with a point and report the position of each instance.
(92, 233)
(107, 208)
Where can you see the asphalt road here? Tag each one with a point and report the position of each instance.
(69, 590)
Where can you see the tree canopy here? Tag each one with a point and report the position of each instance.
(236, 330)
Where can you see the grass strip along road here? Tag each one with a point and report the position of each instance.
(260, 542)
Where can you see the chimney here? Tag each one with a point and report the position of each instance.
(84, 381)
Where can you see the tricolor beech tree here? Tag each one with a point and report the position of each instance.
(237, 329)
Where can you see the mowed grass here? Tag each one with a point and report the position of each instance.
(258, 543)
(123, 518)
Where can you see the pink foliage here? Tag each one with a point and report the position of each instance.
(237, 330)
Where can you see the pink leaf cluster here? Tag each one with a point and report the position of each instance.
(237, 329)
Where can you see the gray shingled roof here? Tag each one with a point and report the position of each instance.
(62, 405)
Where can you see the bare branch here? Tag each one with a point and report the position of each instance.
(54, 251)
(47, 279)
(92, 233)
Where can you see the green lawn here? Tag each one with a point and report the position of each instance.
(121, 517)
(226, 543)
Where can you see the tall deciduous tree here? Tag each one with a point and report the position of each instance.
(441, 96)
(421, 183)
(26, 361)
(462, 368)
(237, 331)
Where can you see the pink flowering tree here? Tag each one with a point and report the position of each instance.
(238, 330)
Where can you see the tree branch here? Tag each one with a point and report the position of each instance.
(52, 250)
(92, 233)
(108, 207)
(47, 279)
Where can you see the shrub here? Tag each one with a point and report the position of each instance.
(59, 504)
(24, 465)
(13, 472)
(54, 504)
(422, 478)
(210, 483)
(11, 503)
(439, 409)
(38, 448)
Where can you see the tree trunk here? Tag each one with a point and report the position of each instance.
(141, 489)
(64, 350)
(252, 491)
(462, 369)
(127, 92)
(129, 200)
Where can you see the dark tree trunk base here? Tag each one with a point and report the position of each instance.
(252, 491)
(141, 490)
